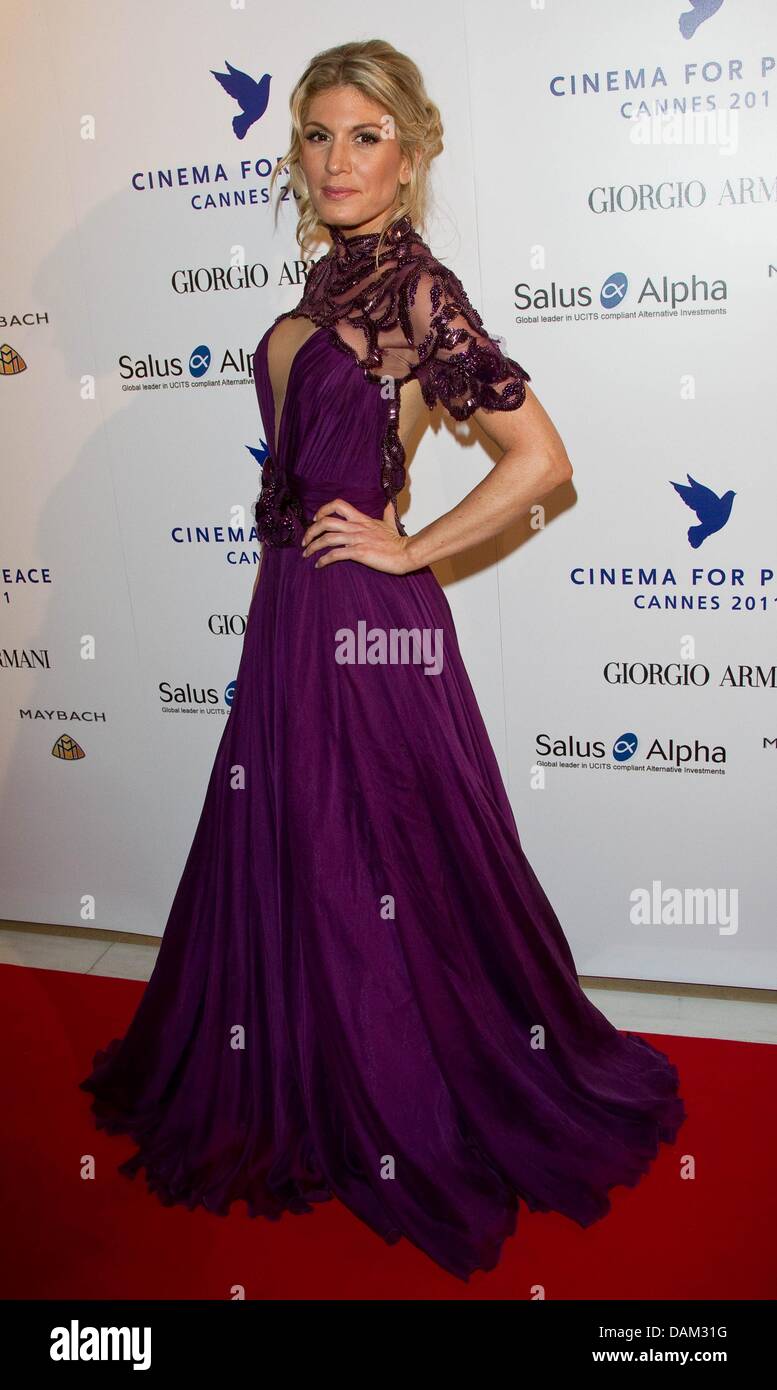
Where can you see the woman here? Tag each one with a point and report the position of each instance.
(362, 989)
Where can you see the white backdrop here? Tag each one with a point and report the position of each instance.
(599, 640)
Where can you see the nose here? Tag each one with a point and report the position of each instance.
(337, 160)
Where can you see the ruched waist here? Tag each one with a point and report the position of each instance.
(314, 492)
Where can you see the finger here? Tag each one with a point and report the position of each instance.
(338, 505)
(329, 526)
(328, 538)
(317, 528)
(332, 523)
(341, 553)
(328, 511)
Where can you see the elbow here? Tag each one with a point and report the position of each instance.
(558, 469)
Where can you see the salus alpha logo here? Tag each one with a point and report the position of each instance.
(625, 747)
(713, 511)
(157, 371)
(573, 751)
(655, 291)
(199, 361)
(251, 96)
(614, 290)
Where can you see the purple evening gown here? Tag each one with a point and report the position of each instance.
(362, 989)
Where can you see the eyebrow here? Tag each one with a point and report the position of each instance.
(363, 125)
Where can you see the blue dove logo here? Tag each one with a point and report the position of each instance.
(713, 511)
(251, 96)
(699, 11)
(259, 454)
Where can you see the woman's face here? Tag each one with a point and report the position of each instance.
(351, 160)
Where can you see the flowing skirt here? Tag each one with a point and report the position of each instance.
(362, 989)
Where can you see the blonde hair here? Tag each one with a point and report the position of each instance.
(386, 76)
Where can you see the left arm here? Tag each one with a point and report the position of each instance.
(460, 365)
(534, 461)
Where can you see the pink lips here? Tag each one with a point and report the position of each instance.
(338, 192)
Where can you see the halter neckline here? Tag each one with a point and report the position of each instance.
(348, 248)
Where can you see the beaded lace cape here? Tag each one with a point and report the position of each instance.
(406, 316)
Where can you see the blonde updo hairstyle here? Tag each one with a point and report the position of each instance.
(392, 80)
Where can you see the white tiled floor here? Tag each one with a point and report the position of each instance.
(741, 1015)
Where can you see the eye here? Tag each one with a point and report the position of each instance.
(368, 137)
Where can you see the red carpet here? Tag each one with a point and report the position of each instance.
(709, 1237)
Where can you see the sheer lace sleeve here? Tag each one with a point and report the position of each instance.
(459, 363)
(399, 313)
